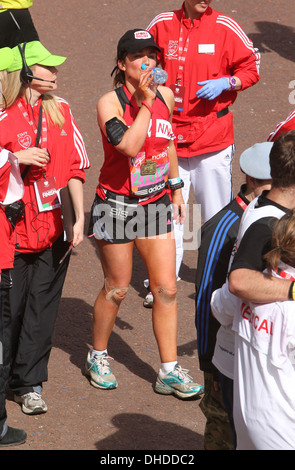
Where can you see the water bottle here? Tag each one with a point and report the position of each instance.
(160, 76)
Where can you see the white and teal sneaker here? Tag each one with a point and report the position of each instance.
(177, 382)
(98, 369)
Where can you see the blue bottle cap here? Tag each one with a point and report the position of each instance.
(143, 66)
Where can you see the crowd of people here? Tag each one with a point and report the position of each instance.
(158, 141)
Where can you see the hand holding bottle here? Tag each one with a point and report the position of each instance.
(160, 76)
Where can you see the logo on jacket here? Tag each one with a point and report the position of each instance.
(24, 140)
(172, 52)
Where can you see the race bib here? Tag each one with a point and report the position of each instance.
(148, 176)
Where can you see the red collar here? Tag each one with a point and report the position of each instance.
(241, 203)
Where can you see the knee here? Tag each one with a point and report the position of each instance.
(166, 295)
(113, 294)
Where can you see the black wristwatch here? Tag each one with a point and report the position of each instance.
(175, 183)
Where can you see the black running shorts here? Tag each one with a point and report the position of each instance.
(120, 219)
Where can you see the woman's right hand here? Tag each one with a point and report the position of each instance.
(33, 156)
(147, 87)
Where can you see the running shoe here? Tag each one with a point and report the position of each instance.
(13, 437)
(32, 403)
(177, 382)
(148, 301)
(98, 369)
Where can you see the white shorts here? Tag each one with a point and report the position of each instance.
(211, 178)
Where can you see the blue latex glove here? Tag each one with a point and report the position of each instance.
(212, 88)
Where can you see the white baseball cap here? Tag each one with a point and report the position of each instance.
(255, 161)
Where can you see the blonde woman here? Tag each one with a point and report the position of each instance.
(40, 130)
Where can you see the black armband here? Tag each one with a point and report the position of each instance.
(115, 130)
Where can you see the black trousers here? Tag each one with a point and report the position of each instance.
(5, 285)
(17, 29)
(37, 283)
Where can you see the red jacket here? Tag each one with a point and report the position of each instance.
(6, 232)
(283, 127)
(68, 159)
(217, 47)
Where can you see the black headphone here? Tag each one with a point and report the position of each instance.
(26, 74)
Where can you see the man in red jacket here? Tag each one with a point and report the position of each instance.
(209, 59)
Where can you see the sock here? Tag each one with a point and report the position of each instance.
(38, 389)
(167, 367)
(95, 352)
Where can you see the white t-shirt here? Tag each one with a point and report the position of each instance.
(264, 384)
(223, 357)
(264, 370)
(224, 305)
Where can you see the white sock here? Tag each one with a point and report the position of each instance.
(167, 367)
(95, 352)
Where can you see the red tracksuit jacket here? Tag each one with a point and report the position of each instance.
(283, 127)
(217, 47)
(68, 159)
(6, 232)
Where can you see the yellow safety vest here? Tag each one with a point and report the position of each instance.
(14, 4)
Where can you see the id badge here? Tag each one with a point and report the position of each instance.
(46, 194)
(206, 49)
(179, 92)
(148, 167)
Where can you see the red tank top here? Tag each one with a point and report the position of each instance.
(121, 174)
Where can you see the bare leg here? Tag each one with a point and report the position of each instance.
(158, 254)
(116, 260)
(159, 257)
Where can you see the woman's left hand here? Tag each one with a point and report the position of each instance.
(179, 207)
(76, 192)
(78, 230)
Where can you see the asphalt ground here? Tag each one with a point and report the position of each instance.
(133, 417)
